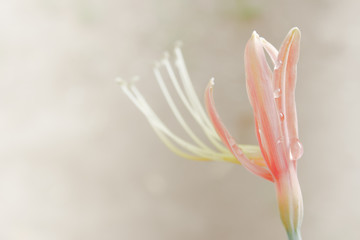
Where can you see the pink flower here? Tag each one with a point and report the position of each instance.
(272, 96)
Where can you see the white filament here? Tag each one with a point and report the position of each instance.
(197, 148)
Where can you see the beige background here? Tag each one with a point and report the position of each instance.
(78, 161)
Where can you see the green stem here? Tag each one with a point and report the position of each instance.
(294, 236)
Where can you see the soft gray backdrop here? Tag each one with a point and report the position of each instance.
(78, 161)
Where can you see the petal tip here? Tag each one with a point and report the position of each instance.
(254, 35)
(295, 31)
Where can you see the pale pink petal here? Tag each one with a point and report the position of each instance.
(285, 80)
(228, 140)
(261, 94)
(271, 50)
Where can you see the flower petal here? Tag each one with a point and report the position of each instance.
(271, 50)
(228, 140)
(262, 98)
(285, 80)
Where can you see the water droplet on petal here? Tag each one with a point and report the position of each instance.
(277, 64)
(281, 116)
(277, 93)
(296, 149)
(232, 142)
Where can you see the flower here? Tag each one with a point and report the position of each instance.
(272, 97)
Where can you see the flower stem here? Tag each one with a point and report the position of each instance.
(294, 236)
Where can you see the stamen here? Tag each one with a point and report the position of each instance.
(180, 64)
(161, 129)
(192, 111)
(175, 110)
(178, 145)
(120, 81)
(189, 88)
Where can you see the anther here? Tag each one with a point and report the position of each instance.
(120, 81)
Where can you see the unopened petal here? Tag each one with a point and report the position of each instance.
(262, 97)
(285, 81)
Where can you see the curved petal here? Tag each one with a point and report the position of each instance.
(228, 140)
(262, 97)
(285, 80)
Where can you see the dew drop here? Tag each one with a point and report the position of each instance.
(277, 93)
(232, 143)
(281, 116)
(296, 149)
(277, 64)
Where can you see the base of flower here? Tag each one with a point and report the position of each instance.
(294, 236)
(290, 203)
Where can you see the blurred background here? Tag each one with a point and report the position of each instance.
(79, 161)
